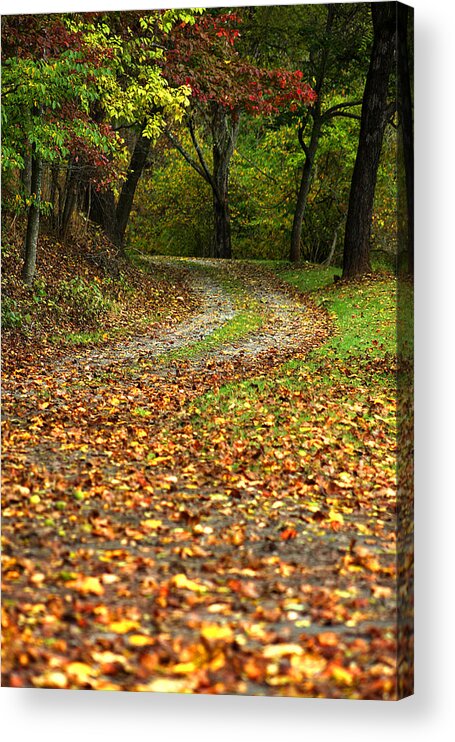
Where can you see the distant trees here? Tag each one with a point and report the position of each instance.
(138, 102)
(225, 84)
(272, 95)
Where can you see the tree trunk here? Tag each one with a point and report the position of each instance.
(31, 237)
(356, 259)
(224, 136)
(222, 247)
(54, 194)
(305, 182)
(26, 173)
(71, 187)
(406, 136)
(125, 202)
(103, 213)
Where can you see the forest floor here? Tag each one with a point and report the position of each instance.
(207, 505)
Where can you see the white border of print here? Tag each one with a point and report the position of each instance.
(49, 715)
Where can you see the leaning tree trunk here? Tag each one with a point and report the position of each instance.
(224, 133)
(71, 189)
(356, 258)
(103, 213)
(125, 202)
(405, 129)
(31, 237)
(302, 197)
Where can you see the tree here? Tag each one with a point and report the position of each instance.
(375, 115)
(331, 43)
(405, 131)
(224, 84)
(49, 85)
(136, 99)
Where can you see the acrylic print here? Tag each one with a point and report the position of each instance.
(207, 350)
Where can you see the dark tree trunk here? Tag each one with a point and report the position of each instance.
(305, 182)
(31, 237)
(406, 134)
(356, 259)
(224, 134)
(54, 195)
(103, 213)
(26, 173)
(125, 202)
(222, 247)
(71, 188)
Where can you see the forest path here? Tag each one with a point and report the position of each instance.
(157, 537)
(225, 290)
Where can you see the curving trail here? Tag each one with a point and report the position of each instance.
(146, 549)
(286, 322)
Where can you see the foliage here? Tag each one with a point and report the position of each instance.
(243, 501)
(49, 77)
(205, 57)
(172, 211)
(11, 315)
(86, 298)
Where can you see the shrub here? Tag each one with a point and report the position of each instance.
(86, 299)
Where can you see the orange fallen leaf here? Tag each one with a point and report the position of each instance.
(86, 585)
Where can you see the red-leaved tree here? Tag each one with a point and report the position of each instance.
(224, 85)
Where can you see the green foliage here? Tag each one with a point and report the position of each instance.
(86, 297)
(172, 213)
(36, 91)
(12, 317)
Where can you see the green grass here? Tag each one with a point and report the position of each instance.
(356, 364)
(241, 325)
(80, 338)
(309, 279)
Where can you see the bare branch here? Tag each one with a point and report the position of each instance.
(180, 148)
(339, 106)
(346, 115)
(200, 154)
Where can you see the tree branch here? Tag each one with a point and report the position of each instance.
(301, 140)
(346, 115)
(340, 106)
(179, 147)
(208, 175)
(256, 167)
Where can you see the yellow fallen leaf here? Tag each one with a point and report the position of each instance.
(335, 517)
(123, 626)
(53, 679)
(215, 632)
(140, 640)
(81, 672)
(167, 685)
(181, 581)
(151, 523)
(342, 676)
(183, 668)
(275, 651)
(107, 657)
(309, 664)
(86, 585)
